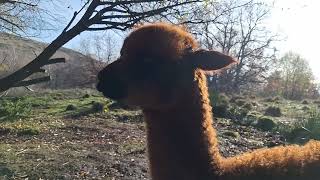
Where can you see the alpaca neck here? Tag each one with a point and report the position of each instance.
(182, 142)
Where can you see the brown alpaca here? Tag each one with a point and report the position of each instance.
(161, 70)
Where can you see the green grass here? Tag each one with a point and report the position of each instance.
(52, 104)
(31, 114)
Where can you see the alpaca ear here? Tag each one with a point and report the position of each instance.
(211, 60)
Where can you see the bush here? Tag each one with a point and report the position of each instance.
(221, 111)
(254, 103)
(120, 105)
(316, 102)
(302, 132)
(247, 106)
(238, 113)
(305, 108)
(277, 98)
(28, 131)
(86, 96)
(269, 99)
(71, 107)
(14, 109)
(220, 104)
(251, 117)
(273, 111)
(299, 135)
(235, 98)
(97, 107)
(240, 102)
(313, 125)
(265, 123)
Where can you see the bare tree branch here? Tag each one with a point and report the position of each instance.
(98, 16)
(33, 81)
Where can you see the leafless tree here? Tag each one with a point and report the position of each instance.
(242, 32)
(102, 47)
(26, 17)
(98, 15)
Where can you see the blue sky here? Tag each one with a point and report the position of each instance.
(295, 19)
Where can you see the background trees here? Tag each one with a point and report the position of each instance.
(293, 78)
(240, 30)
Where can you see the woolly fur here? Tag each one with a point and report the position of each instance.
(182, 142)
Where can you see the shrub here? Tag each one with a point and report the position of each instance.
(306, 130)
(14, 109)
(251, 117)
(86, 96)
(273, 111)
(305, 108)
(28, 131)
(97, 107)
(316, 102)
(265, 123)
(269, 99)
(240, 102)
(238, 113)
(247, 106)
(220, 104)
(120, 105)
(235, 98)
(313, 125)
(220, 111)
(277, 98)
(71, 107)
(254, 103)
(299, 135)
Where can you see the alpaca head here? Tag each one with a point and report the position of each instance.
(156, 65)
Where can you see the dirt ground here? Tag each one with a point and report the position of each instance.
(103, 146)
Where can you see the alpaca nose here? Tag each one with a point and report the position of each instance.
(100, 75)
(99, 85)
(112, 87)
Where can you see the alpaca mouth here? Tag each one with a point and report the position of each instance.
(114, 92)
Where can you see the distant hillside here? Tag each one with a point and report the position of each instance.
(78, 71)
